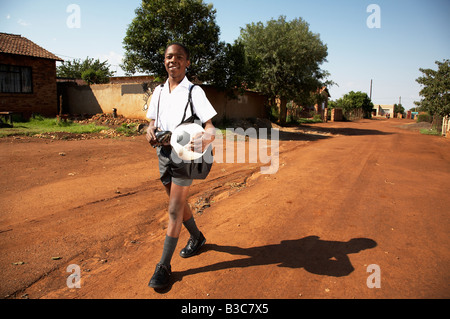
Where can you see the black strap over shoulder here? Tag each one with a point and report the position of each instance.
(190, 119)
(193, 116)
(159, 99)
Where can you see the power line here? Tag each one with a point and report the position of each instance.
(73, 58)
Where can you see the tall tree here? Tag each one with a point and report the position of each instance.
(289, 57)
(436, 89)
(160, 22)
(354, 101)
(232, 69)
(90, 70)
(398, 108)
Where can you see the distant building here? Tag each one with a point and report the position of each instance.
(27, 77)
(303, 111)
(325, 95)
(131, 79)
(383, 110)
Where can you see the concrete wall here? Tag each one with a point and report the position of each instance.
(249, 105)
(383, 110)
(128, 99)
(102, 98)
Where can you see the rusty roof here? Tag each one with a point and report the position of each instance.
(16, 44)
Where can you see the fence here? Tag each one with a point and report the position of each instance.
(446, 126)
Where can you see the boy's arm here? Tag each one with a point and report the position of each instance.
(151, 138)
(202, 141)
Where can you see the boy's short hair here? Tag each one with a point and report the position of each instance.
(185, 49)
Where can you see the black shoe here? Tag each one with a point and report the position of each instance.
(161, 277)
(193, 246)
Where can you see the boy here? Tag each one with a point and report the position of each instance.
(172, 98)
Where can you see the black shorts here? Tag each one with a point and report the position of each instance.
(165, 167)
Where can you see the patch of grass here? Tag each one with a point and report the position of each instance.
(316, 119)
(41, 125)
(128, 129)
(430, 132)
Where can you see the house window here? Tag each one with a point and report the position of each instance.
(15, 79)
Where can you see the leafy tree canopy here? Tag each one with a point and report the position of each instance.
(353, 101)
(233, 69)
(436, 89)
(159, 23)
(398, 108)
(289, 57)
(90, 70)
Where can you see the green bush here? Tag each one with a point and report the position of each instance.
(317, 118)
(424, 118)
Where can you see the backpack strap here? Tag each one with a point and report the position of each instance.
(193, 116)
(159, 99)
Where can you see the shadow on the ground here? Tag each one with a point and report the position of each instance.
(321, 257)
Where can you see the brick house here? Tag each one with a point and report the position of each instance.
(27, 77)
(324, 96)
(297, 111)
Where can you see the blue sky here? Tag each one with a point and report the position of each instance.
(413, 34)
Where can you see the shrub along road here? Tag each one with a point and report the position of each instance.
(353, 206)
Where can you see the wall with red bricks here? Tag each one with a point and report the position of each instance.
(336, 115)
(43, 100)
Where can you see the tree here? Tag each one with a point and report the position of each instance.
(289, 56)
(354, 102)
(90, 70)
(398, 108)
(232, 69)
(436, 89)
(159, 23)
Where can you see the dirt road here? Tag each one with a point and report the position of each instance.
(346, 197)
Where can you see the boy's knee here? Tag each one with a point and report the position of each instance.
(175, 210)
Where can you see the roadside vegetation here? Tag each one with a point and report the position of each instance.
(430, 132)
(42, 125)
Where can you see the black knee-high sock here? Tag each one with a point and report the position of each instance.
(170, 244)
(191, 226)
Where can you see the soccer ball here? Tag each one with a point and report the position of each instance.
(181, 141)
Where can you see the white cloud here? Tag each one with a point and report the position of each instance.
(114, 60)
(23, 23)
(349, 85)
(8, 17)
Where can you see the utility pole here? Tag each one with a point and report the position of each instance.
(371, 89)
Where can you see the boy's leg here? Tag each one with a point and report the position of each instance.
(197, 240)
(177, 207)
(188, 218)
(177, 199)
(189, 222)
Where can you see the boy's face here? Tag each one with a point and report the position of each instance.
(176, 62)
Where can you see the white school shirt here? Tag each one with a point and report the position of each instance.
(172, 105)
